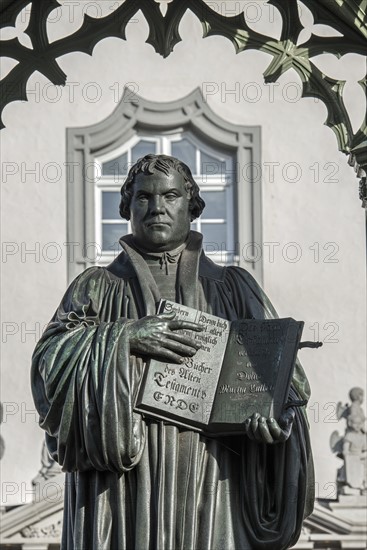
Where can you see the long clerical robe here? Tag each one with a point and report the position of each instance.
(139, 484)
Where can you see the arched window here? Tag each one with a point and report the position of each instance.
(221, 156)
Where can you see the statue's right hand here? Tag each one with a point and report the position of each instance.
(156, 336)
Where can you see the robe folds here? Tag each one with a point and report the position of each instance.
(141, 484)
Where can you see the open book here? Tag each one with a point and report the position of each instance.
(242, 367)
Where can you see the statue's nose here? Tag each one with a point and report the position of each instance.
(157, 205)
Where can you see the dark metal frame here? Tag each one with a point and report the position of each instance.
(346, 16)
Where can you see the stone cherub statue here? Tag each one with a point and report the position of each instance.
(352, 447)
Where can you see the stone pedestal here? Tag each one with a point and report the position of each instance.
(351, 507)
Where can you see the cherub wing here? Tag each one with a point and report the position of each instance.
(336, 443)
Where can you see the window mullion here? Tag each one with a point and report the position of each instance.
(165, 145)
(98, 215)
(198, 171)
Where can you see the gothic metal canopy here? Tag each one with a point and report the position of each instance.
(348, 17)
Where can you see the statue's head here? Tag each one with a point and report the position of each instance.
(356, 394)
(160, 198)
(355, 422)
(167, 165)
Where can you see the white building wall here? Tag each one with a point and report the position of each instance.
(320, 215)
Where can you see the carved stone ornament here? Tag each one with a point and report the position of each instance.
(348, 17)
(53, 530)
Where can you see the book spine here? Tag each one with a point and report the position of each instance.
(288, 357)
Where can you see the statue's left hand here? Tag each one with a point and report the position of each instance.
(268, 430)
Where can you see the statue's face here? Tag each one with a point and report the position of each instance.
(355, 423)
(159, 211)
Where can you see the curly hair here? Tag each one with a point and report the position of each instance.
(161, 163)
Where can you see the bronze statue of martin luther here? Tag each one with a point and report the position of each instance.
(140, 483)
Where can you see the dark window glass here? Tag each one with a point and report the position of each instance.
(115, 167)
(141, 149)
(215, 204)
(211, 166)
(185, 151)
(215, 233)
(111, 233)
(110, 205)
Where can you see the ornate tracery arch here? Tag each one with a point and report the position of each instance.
(348, 17)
